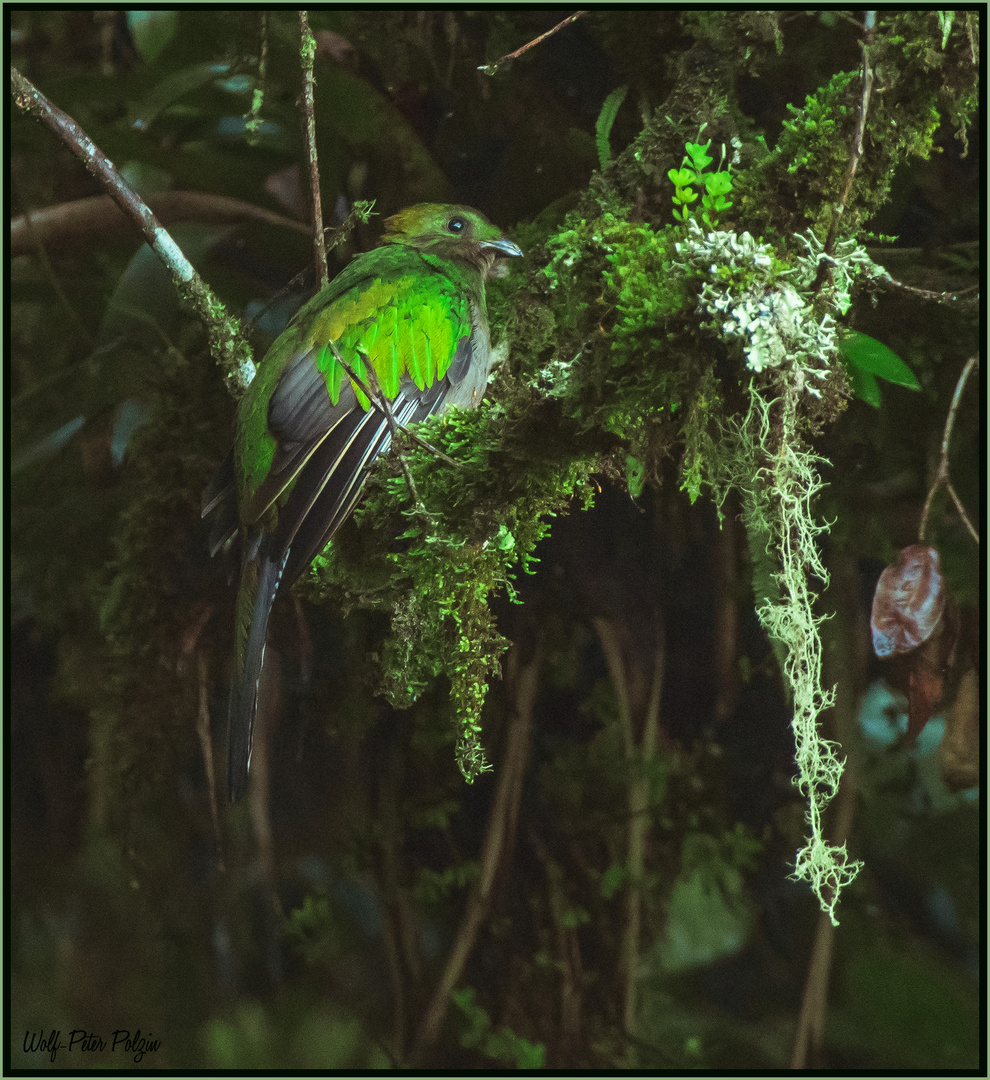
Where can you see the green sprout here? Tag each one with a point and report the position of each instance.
(714, 187)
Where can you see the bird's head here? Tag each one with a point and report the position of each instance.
(452, 232)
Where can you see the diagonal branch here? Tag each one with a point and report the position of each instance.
(227, 343)
(942, 473)
(499, 837)
(490, 69)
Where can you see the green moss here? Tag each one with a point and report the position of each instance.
(435, 572)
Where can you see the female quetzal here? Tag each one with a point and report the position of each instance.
(413, 311)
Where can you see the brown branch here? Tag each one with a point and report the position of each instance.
(395, 925)
(33, 241)
(498, 839)
(227, 343)
(490, 69)
(82, 219)
(856, 152)
(568, 949)
(206, 745)
(847, 661)
(927, 294)
(638, 800)
(307, 53)
(942, 473)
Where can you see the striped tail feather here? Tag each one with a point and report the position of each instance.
(260, 579)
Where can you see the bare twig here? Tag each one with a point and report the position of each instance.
(33, 239)
(307, 53)
(227, 343)
(381, 403)
(848, 662)
(638, 798)
(206, 745)
(568, 947)
(498, 839)
(927, 294)
(361, 211)
(942, 473)
(856, 151)
(490, 69)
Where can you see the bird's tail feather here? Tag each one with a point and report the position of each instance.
(260, 578)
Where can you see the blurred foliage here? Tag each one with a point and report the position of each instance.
(320, 947)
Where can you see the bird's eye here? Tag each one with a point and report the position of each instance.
(456, 225)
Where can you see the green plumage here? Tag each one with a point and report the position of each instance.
(409, 319)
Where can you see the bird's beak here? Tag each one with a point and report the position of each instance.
(501, 247)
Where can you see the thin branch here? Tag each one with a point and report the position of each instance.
(380, 402)
(962, 511)
(848, 659)
(856, 151)
(33, 239)
(227, 343)
(80, 219)
(206, 745)
(942, 473)
(307, 53)
(498, 839)
(490, 69)
(638, 800)
(378, 399)
(927, 294)
(814, 1001)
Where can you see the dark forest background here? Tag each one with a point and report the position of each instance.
(365, 908)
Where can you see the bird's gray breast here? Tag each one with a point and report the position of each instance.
(469, 370)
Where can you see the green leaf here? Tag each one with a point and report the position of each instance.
(867, 354)
(151, 31)
(864, 385)
(143, 112)
(719, 183)
(698, 155)
(606, 118)
(635, 476)
(945, 19)
(682, 178)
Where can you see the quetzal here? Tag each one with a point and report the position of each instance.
(413, 311)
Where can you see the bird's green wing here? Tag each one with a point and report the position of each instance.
(402, 313)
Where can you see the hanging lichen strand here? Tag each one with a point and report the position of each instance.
(778, 506)
(754, 299)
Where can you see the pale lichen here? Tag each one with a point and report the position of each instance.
(752, 297)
